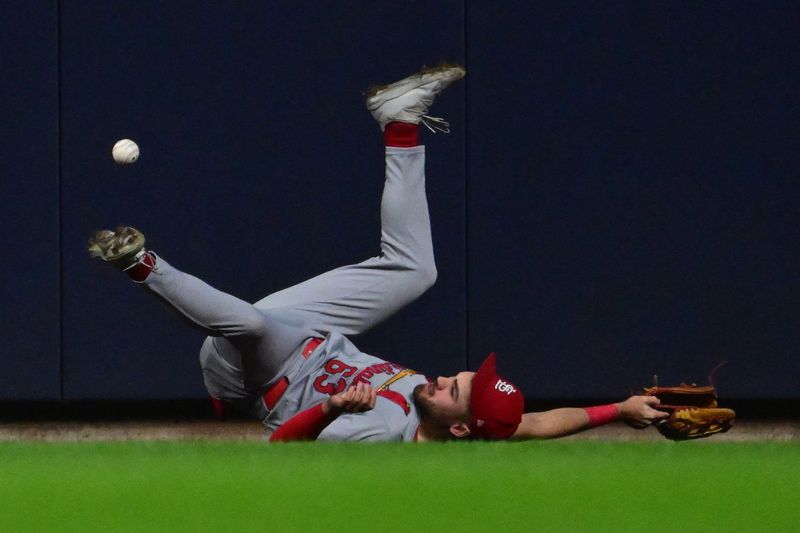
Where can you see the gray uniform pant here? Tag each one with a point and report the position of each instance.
(350, 299)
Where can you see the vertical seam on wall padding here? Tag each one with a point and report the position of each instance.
(60, 210)
(466, 197)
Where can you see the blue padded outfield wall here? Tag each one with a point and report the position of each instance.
(618, 198)
(633, 194)
(30, 325)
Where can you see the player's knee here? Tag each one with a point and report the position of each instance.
(252, 326)
(424, 277)
(429, 275)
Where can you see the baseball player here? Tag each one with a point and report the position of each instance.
(287, 360)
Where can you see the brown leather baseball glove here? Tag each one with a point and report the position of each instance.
(694, 412)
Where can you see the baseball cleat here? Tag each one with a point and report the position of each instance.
(122, 248)
(408, 99)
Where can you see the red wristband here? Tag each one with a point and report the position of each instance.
(602, 414)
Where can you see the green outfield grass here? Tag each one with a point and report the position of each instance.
(534, 486)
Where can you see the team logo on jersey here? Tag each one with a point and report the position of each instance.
(503, 386)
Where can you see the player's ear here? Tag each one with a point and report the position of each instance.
(459, 430)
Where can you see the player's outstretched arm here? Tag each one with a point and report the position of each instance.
(568, 420)
(308, 424)
(551, 424)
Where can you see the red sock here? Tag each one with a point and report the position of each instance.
(401, 134)
(142, 269)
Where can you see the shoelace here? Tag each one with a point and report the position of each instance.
(136, 259)
(435, 124)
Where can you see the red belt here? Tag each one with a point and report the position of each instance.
(275, 393)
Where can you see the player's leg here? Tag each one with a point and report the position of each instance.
(264, 341)
(354, 298)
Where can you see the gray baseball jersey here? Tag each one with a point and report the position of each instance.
(331, 368)
(251, 347)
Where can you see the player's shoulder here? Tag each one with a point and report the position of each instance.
(399, 420)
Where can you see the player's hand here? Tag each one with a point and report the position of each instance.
(356, 399)
(639, 411)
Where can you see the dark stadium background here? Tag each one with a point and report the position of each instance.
(619, 196)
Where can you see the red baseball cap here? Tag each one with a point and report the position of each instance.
(496, 404)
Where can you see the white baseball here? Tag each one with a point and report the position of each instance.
(125, 152)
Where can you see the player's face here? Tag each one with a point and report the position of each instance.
(446, 400)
